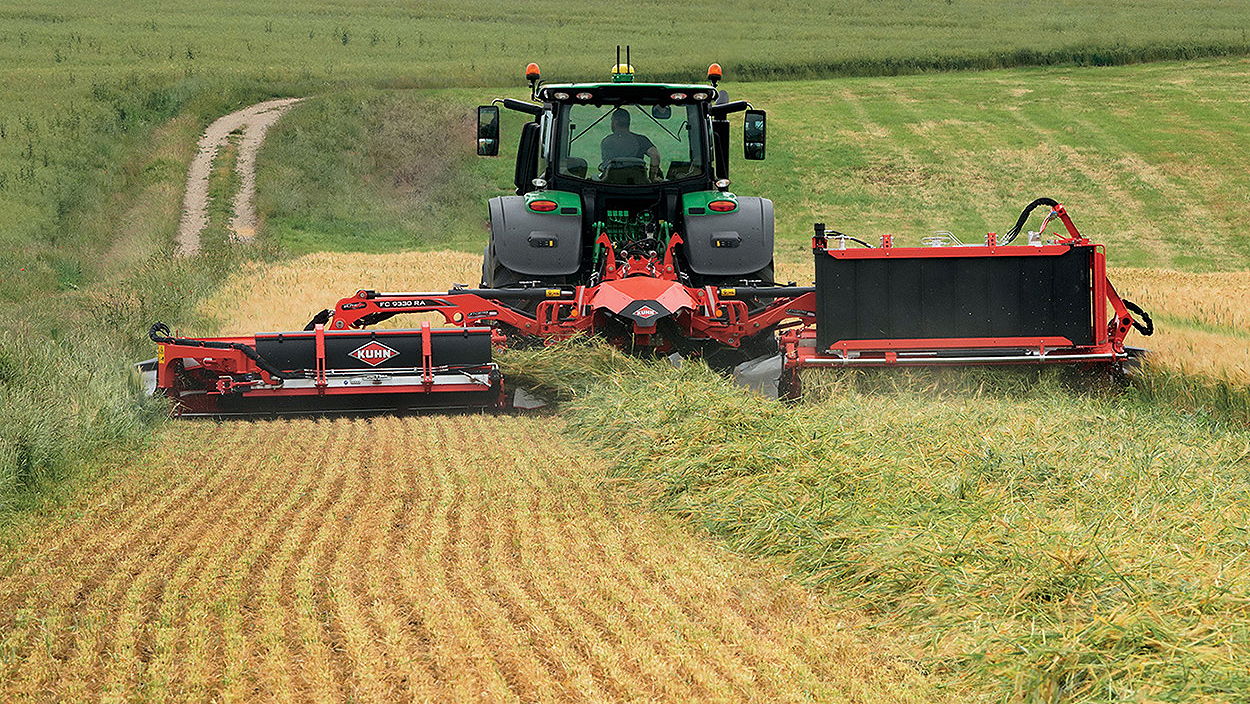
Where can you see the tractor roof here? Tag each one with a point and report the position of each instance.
(626, 92)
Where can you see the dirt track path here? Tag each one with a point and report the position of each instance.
(457, 558)
(254, 121)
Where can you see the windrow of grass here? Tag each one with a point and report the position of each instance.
(1035, 542)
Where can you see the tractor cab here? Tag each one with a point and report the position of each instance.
(639, 162)
(650, 136)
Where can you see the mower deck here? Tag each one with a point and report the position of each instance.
(322, 371)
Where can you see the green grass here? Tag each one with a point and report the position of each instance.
(1034, 543)
(1146, 157)
(375, 171)
(67, 387)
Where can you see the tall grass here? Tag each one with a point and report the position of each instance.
(1215, 398)
(376, 171)
(1034, 543)
(68, 388)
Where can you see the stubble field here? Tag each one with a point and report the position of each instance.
(435, 558)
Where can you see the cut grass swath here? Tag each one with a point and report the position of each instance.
(1036, 543)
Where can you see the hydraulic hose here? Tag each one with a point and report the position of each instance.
(856, 240)
(160, 334)
(321, 318)
(1024, 217)
(1146, 330)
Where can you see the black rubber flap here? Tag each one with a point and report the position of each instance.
(893, 298)
(290, 351)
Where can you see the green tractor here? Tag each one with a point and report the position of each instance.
(637, 162)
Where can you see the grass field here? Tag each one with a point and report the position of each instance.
(86, 85)
(1202, 320)
(986, 539)
(1148, 158)
(1023, 539)
(103, 105)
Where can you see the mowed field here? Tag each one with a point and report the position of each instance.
(663, 535)
(437, 558)
(1015, 537)
(427, 558)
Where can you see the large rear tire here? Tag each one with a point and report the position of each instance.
(496, 275)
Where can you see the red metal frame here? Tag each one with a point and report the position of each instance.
(704, 313)
(800, 349)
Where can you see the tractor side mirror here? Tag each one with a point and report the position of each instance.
(661, 112)
(754, 135)
(488, 130)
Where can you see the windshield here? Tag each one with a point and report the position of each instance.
(630, 144)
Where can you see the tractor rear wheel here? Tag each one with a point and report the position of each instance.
(496, 275)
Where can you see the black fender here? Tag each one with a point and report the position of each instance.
(534, 244)
(739, 243)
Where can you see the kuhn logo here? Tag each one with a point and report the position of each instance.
(373, 353)
(646, 312)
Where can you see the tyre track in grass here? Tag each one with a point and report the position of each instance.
(253, 122)
(428, 558)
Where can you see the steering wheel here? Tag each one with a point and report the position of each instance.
(621, 162)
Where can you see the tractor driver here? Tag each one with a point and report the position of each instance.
(627, 148)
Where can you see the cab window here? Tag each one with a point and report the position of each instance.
(630, 144)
